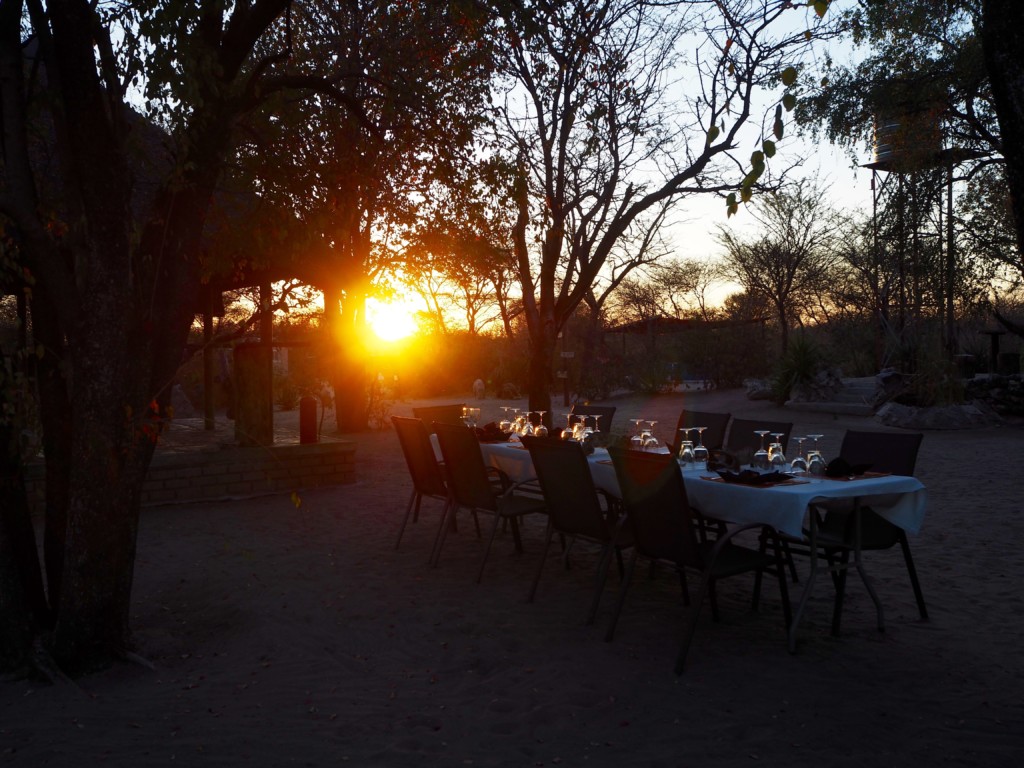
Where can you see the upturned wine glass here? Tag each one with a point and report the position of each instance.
(760, 460)
(799, 463)
(700, 451)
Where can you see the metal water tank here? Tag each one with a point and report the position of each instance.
(907, 140)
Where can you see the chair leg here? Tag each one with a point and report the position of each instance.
(408, 509)
(840, 580)
(487, 549)
(706, 587)
(684, 585)
(630, 567)
(548, 535)
(447, 518)
(918, 594)
(789, 560)
(603, 566)
(516, 537)
(780, 572)
(712, 597)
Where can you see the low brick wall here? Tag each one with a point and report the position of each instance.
(176, 478)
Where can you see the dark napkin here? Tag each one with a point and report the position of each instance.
(750, 477)
(840, 467)
(491, 433)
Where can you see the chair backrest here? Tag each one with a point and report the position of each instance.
(427, 477)
(714, 435)
(605, 413)
(464, 467)
(569, 493)
(657, 509)
(441, 414)
(742, 438)
(894, 452)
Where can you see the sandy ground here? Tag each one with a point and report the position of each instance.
(284, 636)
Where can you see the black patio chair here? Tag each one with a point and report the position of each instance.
(894, 452)
(469, 484)
(574, 507)
(427, 475)
(441, 414)
(663, 529)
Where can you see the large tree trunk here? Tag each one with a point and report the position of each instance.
(1002, 39)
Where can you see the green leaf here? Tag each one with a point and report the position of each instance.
(789, 101)
(757, 158)
(789, 76)
(746, 193)
(777, 129)
(820, 7)
(769, 148)
(713, 134)
(731, 206)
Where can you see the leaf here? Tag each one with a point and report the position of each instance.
(789, 76)
(757, 158)
(712, 134)
(789, 101)
(769, 148)
(746, 193)
(731, 205)
(820, 7)
(777, 129)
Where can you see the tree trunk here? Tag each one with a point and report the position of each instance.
(347, 356)
(542, 352)
(1002, 39)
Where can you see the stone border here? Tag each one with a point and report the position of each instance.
(184, 477)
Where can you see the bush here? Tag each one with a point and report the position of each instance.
(798, 366)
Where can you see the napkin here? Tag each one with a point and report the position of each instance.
(491, 433)
(840, 467)
(750, 477)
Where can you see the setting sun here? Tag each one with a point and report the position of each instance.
(390, 321)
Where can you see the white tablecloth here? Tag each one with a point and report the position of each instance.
(901, 500)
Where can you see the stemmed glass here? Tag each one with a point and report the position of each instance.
(776, 458)
(686, 457)
(799, 463)
(650, 441)
(567, 433)
(636, 440)
(527, 427)
(505, 425)
(541, 429)
(761, 455)
(815, 460)
(470, 416)
(700, 451)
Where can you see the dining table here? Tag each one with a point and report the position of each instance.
(792, 507)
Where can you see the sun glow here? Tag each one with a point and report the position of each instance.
(390, 321)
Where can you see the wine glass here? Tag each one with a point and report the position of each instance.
(815, 460)
(686, 457)
(650, 441)
(527, 427)
(700, 451)
(776, 457)
(636, 440)
(567, 433)
(799, 463)
(505, 425)
(761, 455)
(541, 429)
(636, 427)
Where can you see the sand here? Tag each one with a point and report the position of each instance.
(283, 636)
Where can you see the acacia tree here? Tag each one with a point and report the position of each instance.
(108, 214)
(789, 261)
(598, 139)
(358, 186)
